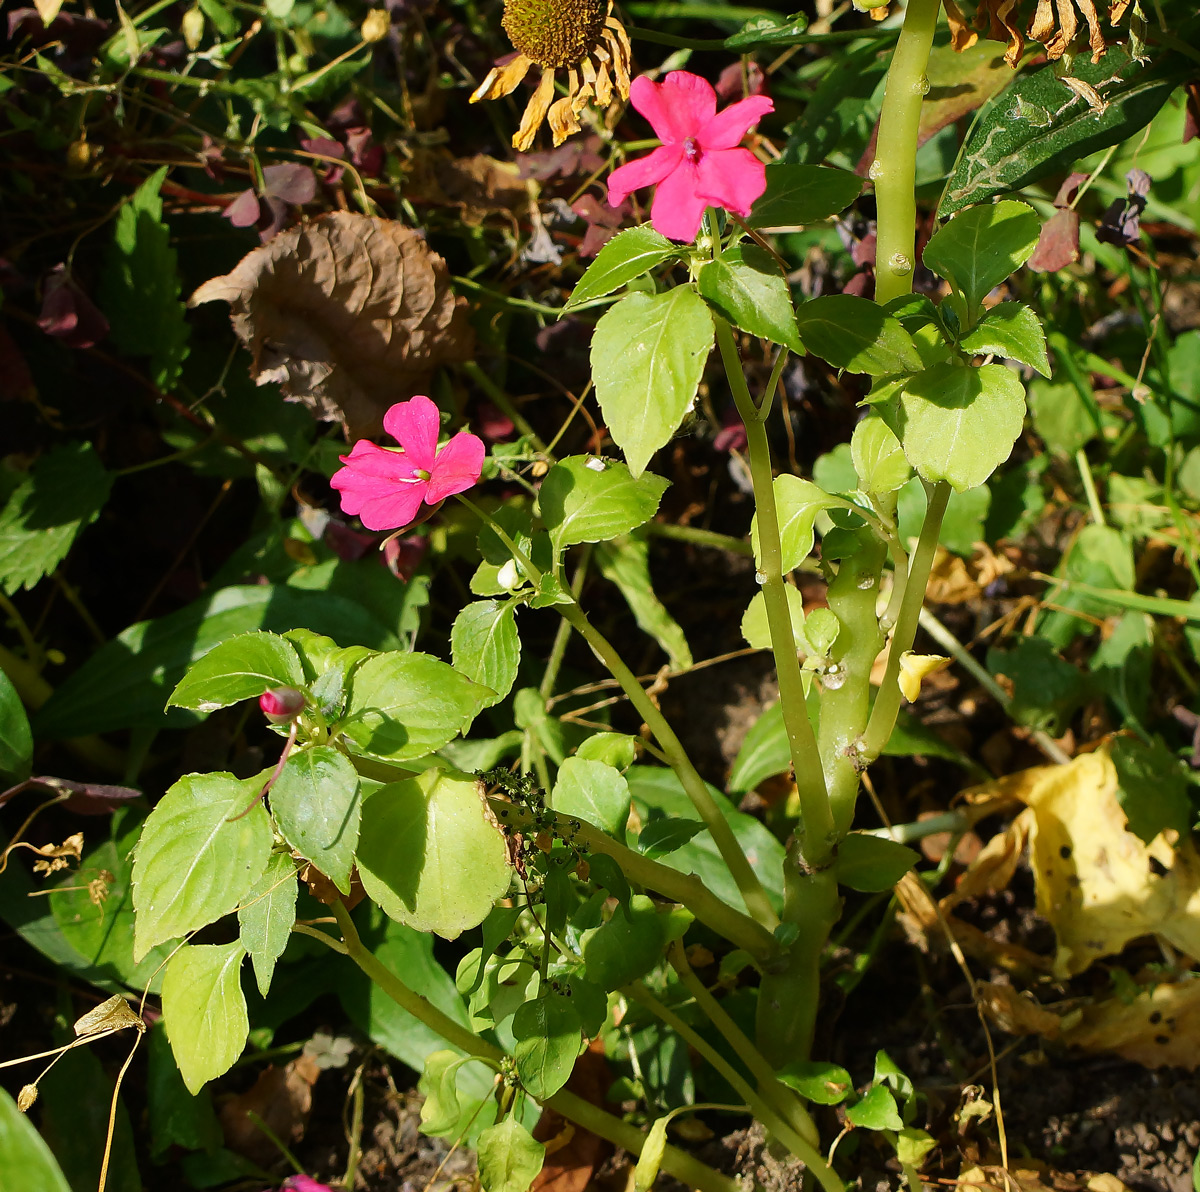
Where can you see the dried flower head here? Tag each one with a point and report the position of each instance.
(580, 37)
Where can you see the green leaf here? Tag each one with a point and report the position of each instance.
(817, 1080)
(548, 1034)
(25, 1154)
(648, 355)
(1012, 331)
(650, 1160)
(626, 562)
(912, 1145)
(631, 943)
(204, 1010)
(746, 287)
(592, 791)
(762, 32)
(662, 836)
(1061, 417)
(16, 741)
(757, 630)
(430, 853)
(440, 1111)
(404, 706)
(854, 334)
(587, 499)
(1039, 126)
(194, 861)
(799, 195)
(1046, 689)
(140, 288)
(509, 1157)
(876, 1111)
(618, 750)
(878, 457)
(65, 492)
(979, 248)
(126, 682)
(241, 668)
(870, 864)
(627, 255)
(764, 752)
(797, 503)
(267, 913)
(1151, 788)
(959, 423)
(177, 1118)
(486, 647)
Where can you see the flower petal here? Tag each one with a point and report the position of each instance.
(728, 127)
(414, 424)
(645, 171)
(393, 510)
(457, 467)
(372, 473)
(678, 107)
(677, 209)
(730, 178)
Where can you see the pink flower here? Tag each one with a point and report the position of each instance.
(699, 163)
(387, 488)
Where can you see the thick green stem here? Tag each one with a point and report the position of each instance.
(800, 1147)
(583, 1113)
(816, 819)
(887, 703)
(684, 888)
(727, 844)
(846, 699)
(894, 169)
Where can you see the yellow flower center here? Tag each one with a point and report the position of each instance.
(555, 33)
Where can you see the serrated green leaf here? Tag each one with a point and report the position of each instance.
(404, 706)
(241, 668)
(1012, 331)
(981, 247)
(509, 1157)
(195, 862)
(266, 916)
(431, 854)
(317, 803)
(204, 1010)
(648, 355)
(797, 503)
(746, 287)
(870, 864)
(24, 1154)
(856, 335)
(959, 423)
(16, 741)
(548, 1033)
(486, 646)
(586, 499)
(800, 195)
(592, 791)
(627, 255)
(65, 492)
(761, 32)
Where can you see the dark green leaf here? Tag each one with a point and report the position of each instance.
(981, 247)
(1061, 416)
(627, 255)
(662, 836)
(1046, 689)
(177, 1118)
(1012, 331)
(856, 335)
(746, 287)
(870, 864)
(587, 499)
(548, 1034)
(762, 32)
(22, 1151)
(764, 753)
(16, 741)
(241, 668)
(631, 943)
(799, 195)
(1152, 788)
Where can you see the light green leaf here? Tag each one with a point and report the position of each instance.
(648, 355)
(797, 503)
(404, 706)
(857, 335)
(618, 750)
(204, 1010)
(266, 916)
(746, 287)
(981, 247)
(509, 1157)
(241, 668)
(587, 499)
(757, 631)
(650, 1160)
(817, 1080)
(16, 741)
(195, 862)
(594, 792)
(912, 1145)
(25, 1159)
(878, 457)
(959, 423)
(548, 1034)
(870, 864)
(440, 1111)
(626, 562)
(486, 647)
(431, 854)
(799, 195)
(65, 492)
(1012, 331)
(627, 255)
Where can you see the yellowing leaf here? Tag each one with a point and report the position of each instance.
(1159, 1027)
(913, 668)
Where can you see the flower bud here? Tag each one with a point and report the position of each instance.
(192, 27)
(376, 25)
(26, 1097)
(281, 705)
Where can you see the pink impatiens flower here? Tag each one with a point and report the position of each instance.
(387, 488)
(699, 163)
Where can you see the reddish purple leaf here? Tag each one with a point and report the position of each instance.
(291, 182)
(244, 211)
(1058, 245)
(68, 313)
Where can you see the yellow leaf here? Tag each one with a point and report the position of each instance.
(47, 9)
(1159, 1027)
(913, 668)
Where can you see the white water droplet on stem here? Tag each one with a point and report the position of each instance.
(899, 264)
(921, 86)
(876, 171)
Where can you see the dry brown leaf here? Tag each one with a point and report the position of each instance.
(993, 868)
(349, 314)
(282, 1099)
(115, 1014)
(1159, 1027)
(1014, 1013)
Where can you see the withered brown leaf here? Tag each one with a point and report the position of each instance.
(348, 313)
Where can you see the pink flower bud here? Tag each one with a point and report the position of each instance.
(281, 704)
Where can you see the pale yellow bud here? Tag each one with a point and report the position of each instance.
(192, 27)
(26, 1097)
(376, 25)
